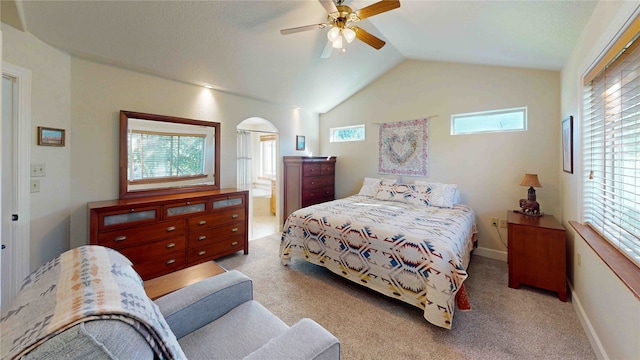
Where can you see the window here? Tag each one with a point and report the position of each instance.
(268, 156)
(346, 133)
(158, 156)
(611, 149)
(489, 121)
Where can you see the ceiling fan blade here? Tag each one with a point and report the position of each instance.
(367, 38)
(302, 28)
(329, 5)
(377, 8)
(326, 52)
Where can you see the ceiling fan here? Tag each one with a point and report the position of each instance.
(341, 20)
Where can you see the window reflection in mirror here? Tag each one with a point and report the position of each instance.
(163, 155)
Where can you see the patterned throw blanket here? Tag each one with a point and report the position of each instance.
(83, 284)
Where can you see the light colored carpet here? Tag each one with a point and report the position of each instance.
(504, 323)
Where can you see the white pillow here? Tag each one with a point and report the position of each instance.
(370, 186)
(442, 195)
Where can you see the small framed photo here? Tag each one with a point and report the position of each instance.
(299, 142)
(567, 145)
(50, 136)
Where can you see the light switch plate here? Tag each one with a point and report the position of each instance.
(38, 170)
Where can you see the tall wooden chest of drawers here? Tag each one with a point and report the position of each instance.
(162, 234)
(308, 180)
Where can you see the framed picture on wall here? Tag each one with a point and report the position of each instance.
(50, 136)
(567, 145)
(299, 142)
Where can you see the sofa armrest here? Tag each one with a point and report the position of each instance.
(304, 340)
(198, 304)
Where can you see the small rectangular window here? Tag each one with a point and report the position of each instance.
(489, 121)
(346, 133)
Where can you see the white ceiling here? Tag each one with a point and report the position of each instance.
(236, 46)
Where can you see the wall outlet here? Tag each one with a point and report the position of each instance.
(35, 186)
(503, 223)
(494, 221)
(579, 259)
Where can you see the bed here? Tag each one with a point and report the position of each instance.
(392, 240)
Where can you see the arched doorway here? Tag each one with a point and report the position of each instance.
(258, 149)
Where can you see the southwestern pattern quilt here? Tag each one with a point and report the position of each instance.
(415, 253)
(83, 284)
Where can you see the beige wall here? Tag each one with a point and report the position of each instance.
(487, 167)
(609, 311)
(99, 92)
(84, 98)
(50, 107)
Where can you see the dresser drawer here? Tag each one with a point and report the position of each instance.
(310, 169)
(160, 265)
(218, 233)
(215, 250)
(203, 222)
(140, 253)
(327, 168)
(316, 196)
(184, 209)
(309, 183)
(128, 217)
(141, 234)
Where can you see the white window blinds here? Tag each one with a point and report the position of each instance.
(611, 152)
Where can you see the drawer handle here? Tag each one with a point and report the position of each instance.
(313, 182)
(234, 243)
(202, 237)
(234, 216)
(120, 238)
(132, 210)
(169, 262)
(202, 222)
(234, 230)
(170, 245)
(200, 253)
(171, 228)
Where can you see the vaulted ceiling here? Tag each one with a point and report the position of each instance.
(236, 46)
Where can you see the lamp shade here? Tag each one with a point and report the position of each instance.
(530, 180)
(333, 34)
(349, 34)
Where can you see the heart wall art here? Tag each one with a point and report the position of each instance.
(404, 148)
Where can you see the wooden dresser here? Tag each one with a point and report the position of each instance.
(537, 253)
(162, 234)
(308, 180)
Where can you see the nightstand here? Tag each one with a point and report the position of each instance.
(537, 253)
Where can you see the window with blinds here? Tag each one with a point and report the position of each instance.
(611, 149)
(158, 156)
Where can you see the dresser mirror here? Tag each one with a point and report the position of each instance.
(162, 155)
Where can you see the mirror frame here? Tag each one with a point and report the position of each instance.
(124, 122)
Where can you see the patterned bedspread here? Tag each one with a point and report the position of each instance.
(417, 254)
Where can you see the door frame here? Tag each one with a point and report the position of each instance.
(20, 259)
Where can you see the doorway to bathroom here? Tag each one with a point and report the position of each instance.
(258, 173)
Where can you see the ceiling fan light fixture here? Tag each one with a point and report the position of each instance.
(337, 44)
(349, 34)
(333, 34)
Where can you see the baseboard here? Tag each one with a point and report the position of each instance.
(596, 345)
(490, 253)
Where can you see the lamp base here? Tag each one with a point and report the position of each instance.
(530, 207)
(529, 213)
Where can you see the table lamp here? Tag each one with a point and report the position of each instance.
(530, 206)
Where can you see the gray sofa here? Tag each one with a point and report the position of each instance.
(216, 318)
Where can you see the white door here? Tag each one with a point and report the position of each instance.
(16, 84)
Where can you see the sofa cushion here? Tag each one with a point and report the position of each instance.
(235, 335)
